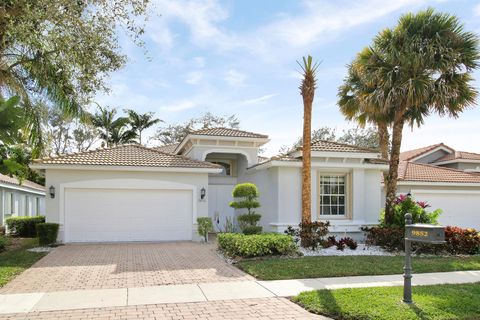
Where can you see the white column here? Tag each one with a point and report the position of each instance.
(358, 191)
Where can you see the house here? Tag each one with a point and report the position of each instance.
(445, 179)
(18, 200)
(135, 193)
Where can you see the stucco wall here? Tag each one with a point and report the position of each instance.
(59, 177)
(460, 205)
(19, 208)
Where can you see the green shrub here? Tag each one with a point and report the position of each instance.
(249, 230)
(47, 233)
(204, 226)
(248, 223)
(3, 243)
(406, 204)
(247, 246)
(310, 234)
(24, 226)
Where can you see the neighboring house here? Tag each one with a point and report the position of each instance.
(135, 193)
(446, 179)
(18, 200)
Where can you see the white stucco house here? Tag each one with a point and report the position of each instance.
(135, 193)
(18, 200)
(446, 179)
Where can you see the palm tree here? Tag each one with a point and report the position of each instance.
(424, 65)
(307, 90)
(104, 120)
(140, 122)
(120, 134)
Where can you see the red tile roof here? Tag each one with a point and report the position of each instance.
(227, 132)
(25, 183)
(411, 171)
(168, 148)
(324, 145)
(127, 155)
(460, 155)
(412, 154)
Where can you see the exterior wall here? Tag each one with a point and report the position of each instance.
(200, 152)
(432, 157)
(460, 205)
(19, 207)
(281, 187)
(60, 178)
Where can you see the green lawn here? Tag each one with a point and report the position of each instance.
(16, 259)
(331, 266)
(458, 301)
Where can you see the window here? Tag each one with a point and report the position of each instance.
(10, 205)
(227, 167)
(37, 206)
(333, 195)
(27, 206)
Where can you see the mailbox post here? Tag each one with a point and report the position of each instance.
(425, 233)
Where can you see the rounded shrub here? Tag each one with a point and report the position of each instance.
(24, 226)
(47, 233)
(248, 246)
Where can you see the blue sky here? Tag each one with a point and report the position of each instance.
(239, 57)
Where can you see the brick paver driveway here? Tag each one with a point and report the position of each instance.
(102, 266)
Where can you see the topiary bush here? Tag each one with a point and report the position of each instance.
(246, 197)
(204, 226)
(24, 226)
(47, 233)
(248, 246)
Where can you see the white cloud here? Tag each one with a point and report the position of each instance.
(178, 106)
(194, 77)
(260, 100)
(476, 10)
(199, 62)
(235, 78)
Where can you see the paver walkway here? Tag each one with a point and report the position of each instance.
(124, 265)
(244, 309)
(207, 292)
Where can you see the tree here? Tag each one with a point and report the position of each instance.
(14, 161)
(424, 65)
(246, 197)
(84, 136)
(59, 136)
(307, 90)
(358, 136)
(120, 133)
(104, 120)
(12, 121)
(140, 122)
(62, 51)
(177, 132)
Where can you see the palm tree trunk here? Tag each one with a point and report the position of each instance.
(383, 137)
(306, 159)
(140, 136)
(391, 181)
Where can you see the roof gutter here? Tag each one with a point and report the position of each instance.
(21, 188)
(223, 138)
(43, 166)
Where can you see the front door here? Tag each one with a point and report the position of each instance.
(218, 206)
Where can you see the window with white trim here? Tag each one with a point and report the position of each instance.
(333, 195)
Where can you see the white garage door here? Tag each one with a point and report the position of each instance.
(108, 215)
(462, 210)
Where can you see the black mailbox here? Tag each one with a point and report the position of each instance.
(426, 233)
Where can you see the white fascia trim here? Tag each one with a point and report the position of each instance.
(224, 138)
(445, 191)
(124, 168)
(456, 161)
(21, 188)
(331, 154)
(430, 152)
(319, 165)
(436, 184)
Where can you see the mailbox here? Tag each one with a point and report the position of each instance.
(426, 233)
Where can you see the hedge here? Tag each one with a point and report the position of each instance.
(248, 246)
(24, 226)
(3, 243)
(47, 233)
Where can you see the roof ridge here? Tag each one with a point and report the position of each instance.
(346, 144)
(425, 150)
(181, 156)
(439, 167)
(66, 155)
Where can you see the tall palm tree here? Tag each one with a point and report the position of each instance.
(104, 120)
(140, 122)
(307, 90)
(424, 65)
(121, 134)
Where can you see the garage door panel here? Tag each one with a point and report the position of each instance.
(93, 215)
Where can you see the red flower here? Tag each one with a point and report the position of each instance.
(423, 204)
(401, 198)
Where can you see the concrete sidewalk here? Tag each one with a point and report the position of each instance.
(84, 299)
